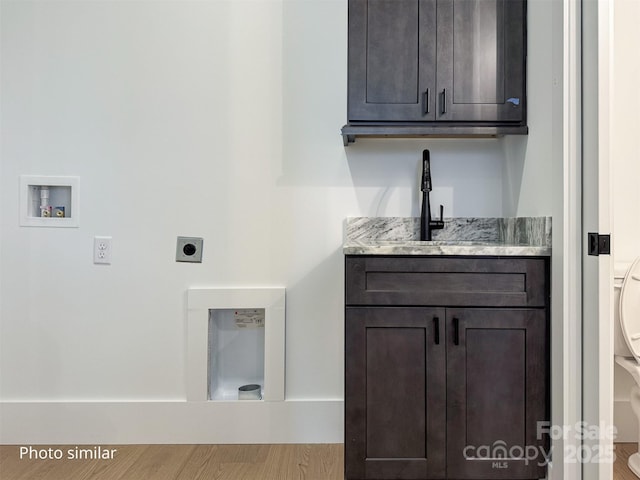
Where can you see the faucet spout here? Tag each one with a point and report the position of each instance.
(425, 218)
(426, 171)
(426, 224)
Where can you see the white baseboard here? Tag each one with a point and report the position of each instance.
(94, 423)
(292, 421)
(625, 421)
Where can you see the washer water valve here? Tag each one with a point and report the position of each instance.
(45, 208)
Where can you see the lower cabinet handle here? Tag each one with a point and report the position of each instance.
(436, 330)
(443, 108)
(456, 331)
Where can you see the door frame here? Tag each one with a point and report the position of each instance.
(583, 338)
(566, 265)
(597, 277)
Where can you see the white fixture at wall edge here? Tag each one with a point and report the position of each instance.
(49, 201)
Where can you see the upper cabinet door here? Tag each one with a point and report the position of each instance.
(392, 60)
(481, 60)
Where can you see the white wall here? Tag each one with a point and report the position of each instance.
(217, 119)
(625, 131)
(529, 160)
(625, 174)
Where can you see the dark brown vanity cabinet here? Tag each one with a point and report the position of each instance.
(496, 392)
(446, 367)
(395, 399)
(449, 64)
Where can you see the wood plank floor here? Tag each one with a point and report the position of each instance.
(620, 469)
(181, 462)
(211, 462)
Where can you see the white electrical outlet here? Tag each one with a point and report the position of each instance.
(102, 250)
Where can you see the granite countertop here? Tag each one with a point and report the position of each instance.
(521, 236)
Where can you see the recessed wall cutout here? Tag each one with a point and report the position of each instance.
(49, 201)
(235, 344)
(236, 354)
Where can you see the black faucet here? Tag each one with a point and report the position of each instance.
(426, 224)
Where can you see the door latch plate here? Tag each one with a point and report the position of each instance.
(598, 244)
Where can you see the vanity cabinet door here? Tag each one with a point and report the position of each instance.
(496, 393)
(395, 405)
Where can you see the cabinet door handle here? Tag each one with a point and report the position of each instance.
(426, 101)
(456, 331)
(436, 330)
(443, 108)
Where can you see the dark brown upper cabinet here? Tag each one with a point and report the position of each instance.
(436, 68)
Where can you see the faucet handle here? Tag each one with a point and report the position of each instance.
(438, 224)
